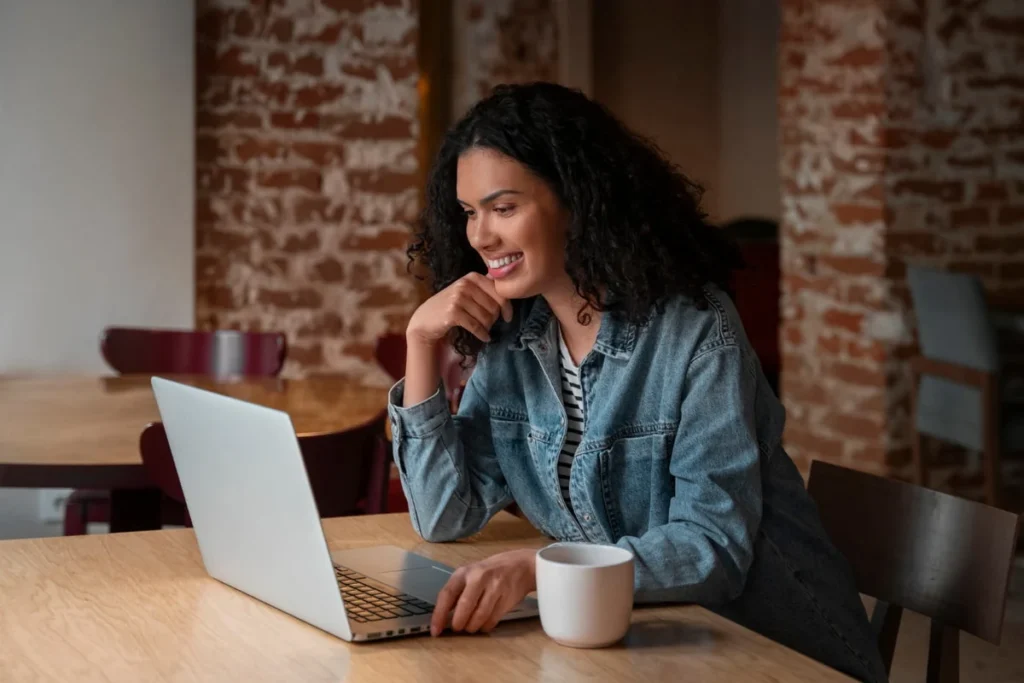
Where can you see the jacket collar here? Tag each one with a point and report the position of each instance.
(616, 338)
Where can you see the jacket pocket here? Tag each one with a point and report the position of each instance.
(636, 486)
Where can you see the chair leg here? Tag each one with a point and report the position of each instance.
(885, 622)
(943, 654)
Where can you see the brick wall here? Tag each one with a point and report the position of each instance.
(902, 140)
(501, 41)
(306, 173)
(307, 169)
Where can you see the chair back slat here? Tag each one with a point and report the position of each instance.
(945, 557)
(130, 350)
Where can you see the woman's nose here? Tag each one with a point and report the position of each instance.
(481, 236)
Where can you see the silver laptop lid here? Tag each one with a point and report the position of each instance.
(251, 504)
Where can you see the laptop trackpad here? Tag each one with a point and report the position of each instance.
(424, 583)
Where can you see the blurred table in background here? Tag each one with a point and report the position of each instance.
(83, 432)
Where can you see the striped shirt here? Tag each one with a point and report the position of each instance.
(572, 398)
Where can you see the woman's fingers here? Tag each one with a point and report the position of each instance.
(485, 609)
(464, 319)
(482, 314)
(468, 601)
(487, 286)
(446, 601)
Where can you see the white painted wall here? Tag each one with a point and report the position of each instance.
(96, 181)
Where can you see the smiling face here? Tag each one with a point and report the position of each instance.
(515, 222)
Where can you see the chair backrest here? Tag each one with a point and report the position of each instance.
(130, 350)
(390, 355)
(756, 289)
(348, 471)
(945, 557)
(953, 323)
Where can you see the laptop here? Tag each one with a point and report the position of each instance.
(259, 531)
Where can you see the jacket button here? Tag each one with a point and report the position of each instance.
(586, 518)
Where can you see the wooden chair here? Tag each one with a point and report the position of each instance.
(348, 471)
(957, 382)
(130, 350)
(390, 355)
(947, 558)
(756, 287)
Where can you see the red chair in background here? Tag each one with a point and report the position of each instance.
(348, 471)
(187, 352)
(130, 350)
(390, 355)
(756, 290)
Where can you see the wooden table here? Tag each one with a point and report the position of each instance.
(139, 607)
(83, 432)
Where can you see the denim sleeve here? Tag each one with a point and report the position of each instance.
(703, 553)
(449, 472)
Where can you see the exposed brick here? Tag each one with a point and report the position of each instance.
(295, 119)
(329, 270)
(1002, 244)
(858, 374)
(829, 345)
(233, 62)
(320, 153)
(970, 217)
(856, 109)
(317, 95)
(248, 148)
(992, 191)
(866, 350)
(306, 355)
(297, 244)
(326, 324)
(213, 121)
(852, 265)
(860, 56)
(291, 299)
(387, 240)
(222, 180)
(853, 426)
(938, 138)
(302, 179)
(1011, 215)
(913, 242)
(948, 190)
(843, 319)
(847, 214)
(317, 210)
(811, 443)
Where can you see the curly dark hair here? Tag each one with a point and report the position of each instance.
(637, 234)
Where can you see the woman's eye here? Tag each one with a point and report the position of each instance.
(469, 214)
(503, 210)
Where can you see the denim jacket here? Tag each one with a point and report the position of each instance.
(680, 461)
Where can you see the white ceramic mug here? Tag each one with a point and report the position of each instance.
(585, 593)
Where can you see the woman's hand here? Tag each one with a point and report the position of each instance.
(470, 302)
(482, 593)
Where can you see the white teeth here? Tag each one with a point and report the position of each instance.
(498, 263)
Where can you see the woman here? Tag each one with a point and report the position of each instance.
(615, 396)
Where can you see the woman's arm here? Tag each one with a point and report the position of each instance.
(447, 463)
(704, 551)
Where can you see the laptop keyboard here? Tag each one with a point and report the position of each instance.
(367, 600)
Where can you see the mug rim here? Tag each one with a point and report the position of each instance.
(630, 555)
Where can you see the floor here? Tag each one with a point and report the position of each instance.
(980, 662)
